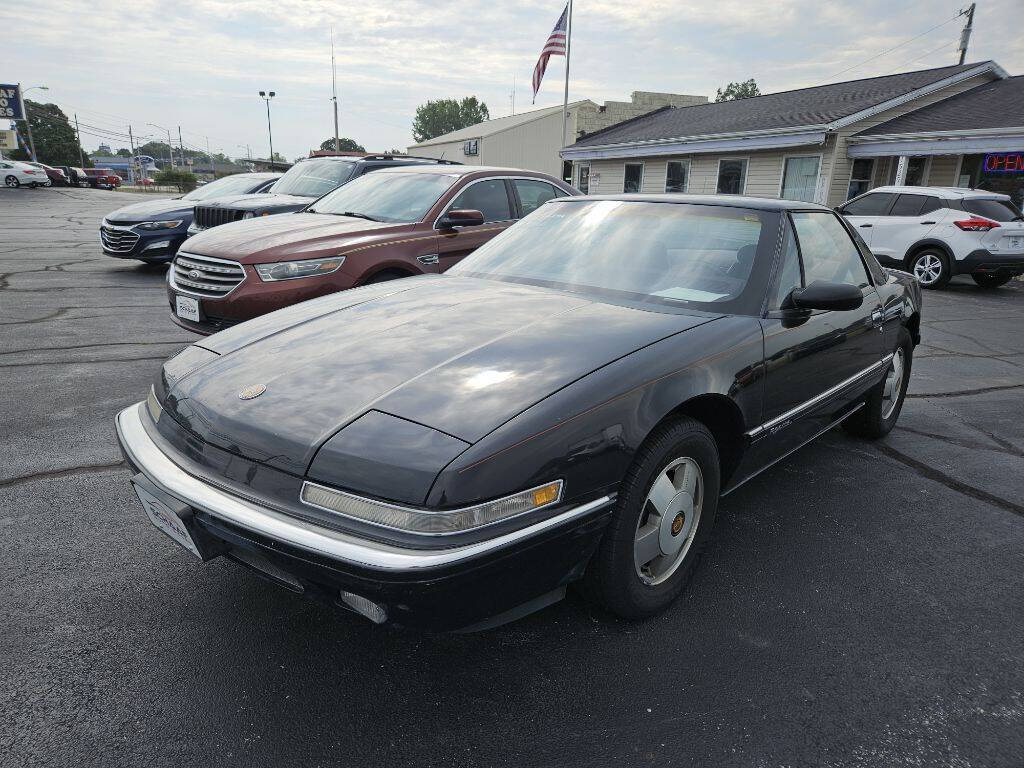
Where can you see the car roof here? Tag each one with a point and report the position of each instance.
(731, 201)
(943, 193)
(462, 170)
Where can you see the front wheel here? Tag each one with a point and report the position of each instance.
(990, 281)
(12, 182)
(883, 403)
(662, 521)
(931, 268)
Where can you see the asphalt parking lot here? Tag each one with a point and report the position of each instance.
(860, 606)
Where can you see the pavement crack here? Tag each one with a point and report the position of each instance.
(974, 445)
(91, 346)
(83, 362)
(929, 472)
(963, 392)
(87, 469)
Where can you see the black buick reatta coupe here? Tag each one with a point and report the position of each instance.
(568, 403)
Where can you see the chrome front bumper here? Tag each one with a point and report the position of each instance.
(147, 457)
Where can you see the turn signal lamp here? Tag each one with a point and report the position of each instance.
(426, 521)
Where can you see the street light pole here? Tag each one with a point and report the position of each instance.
(170, 148)
(28, 123)
(267, 97)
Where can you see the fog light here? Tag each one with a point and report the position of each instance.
(157, 244)
(375, 613)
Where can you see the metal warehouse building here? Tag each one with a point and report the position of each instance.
(952, 126)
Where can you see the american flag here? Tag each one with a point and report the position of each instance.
(555, 46)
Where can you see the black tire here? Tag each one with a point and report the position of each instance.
(990, 281)
(387, 274)
(876, 418)
(613, 578)
(12, 181)
(929, 261)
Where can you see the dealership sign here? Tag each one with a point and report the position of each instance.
(11, 105)
(1004, 162)
(8, 141)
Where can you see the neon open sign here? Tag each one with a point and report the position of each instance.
(1004, 162)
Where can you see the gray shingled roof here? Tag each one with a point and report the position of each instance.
(999, 104)
(788, 109)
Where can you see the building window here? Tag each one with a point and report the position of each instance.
(917, 171)
(676, 175)
(860, 177)
(800, 178)
(471, 147)
(583, 184)
(633, 179)
(732, 176)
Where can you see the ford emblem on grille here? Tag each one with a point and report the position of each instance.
(194, 274)
(250, 392)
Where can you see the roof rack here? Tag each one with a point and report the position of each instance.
(411, 157)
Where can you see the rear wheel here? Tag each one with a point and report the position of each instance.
(931, 268)
(990, 281)
(663, 518)
(883, 403)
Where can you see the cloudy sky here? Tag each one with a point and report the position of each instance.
(200, 63)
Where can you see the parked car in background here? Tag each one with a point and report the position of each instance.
(56, 176)
(303, 183)
(570, 401)
(153, 230)
(937, 233)
(79, 178)
(16, 173)
(102, 178)
(393, 223)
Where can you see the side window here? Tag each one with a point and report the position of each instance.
(875, 204)
(827, 250)
(931, 204)
(908, 205)
(675, 175)
(789, 274)
(633, 177)
(584, 182)
(533, 194)
(489, 197)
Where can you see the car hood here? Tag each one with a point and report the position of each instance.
(458, 355)
(259, 201)
(288, 236)
(151, 210)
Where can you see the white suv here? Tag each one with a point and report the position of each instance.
(938, 232)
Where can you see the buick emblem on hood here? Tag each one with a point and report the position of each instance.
(250, 392)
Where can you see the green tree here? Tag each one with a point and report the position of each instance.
(436, 118)
(123, 153)
(185, 181)
(344, 144)
(735, 91)
(52, 134)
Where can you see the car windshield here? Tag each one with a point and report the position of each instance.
(229, 185)
(699, 256)
(391, 197)
(313, 178)
(997, 210)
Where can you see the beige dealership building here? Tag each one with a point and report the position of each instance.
(532, 140)
(951, 126)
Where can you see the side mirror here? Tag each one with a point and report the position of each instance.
(460, 217)
(822, 294)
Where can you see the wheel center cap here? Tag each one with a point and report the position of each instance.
(677, 523)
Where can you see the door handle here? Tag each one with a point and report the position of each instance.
(927, 222)
(866, 226)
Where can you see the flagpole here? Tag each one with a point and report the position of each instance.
(565, 97)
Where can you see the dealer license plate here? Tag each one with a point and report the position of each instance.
(187, 308)
(166, 519)
(1015, 243)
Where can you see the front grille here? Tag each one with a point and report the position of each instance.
(206, 217)
(205, 276)
(118, 240)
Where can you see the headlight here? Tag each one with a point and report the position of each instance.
(149, 226)
(248, 215)
(292, 270)
(430, 521)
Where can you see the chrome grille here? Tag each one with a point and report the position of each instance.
(206, 216)
(205, 276)
(118, 240)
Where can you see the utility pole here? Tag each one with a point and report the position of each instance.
(965, 36)
(513, 93)
(213, 167)
(78, 136)
(28, 123)
(131, 166)
(181, 145)
(334, 97)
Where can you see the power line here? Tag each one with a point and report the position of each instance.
(918, 58)
(890, 50)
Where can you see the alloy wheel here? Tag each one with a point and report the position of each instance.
(11, 181)
(893, 384)
(928, 268)
(669, 520)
